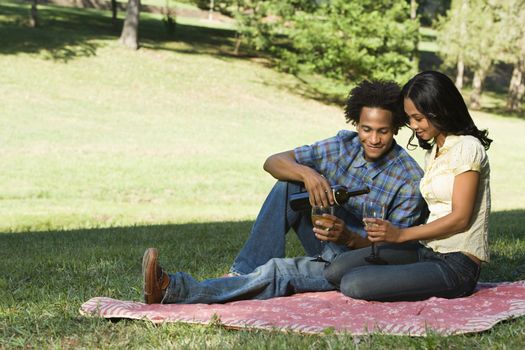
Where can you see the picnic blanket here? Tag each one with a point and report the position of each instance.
(317, 312)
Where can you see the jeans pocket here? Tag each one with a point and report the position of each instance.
(466, 270)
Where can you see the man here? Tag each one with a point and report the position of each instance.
(369, 157)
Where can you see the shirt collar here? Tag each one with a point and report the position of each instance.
(450, 141)
(374, 168)
(360, 160)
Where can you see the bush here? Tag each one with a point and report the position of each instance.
(341, 39)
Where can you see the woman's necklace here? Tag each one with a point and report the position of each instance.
(438, 152)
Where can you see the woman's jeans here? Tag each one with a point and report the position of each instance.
(416, 273)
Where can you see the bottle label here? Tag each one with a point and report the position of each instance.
(335, 198)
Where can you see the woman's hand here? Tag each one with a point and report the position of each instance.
(382, 231)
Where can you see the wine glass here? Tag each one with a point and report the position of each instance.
(317, 215)
(373, 210)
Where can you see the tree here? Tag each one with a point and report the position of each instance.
(483, 47)
(252, 24)
(341, 39)
(210, 12)
(33, 19)
(512, 13)
(452, 38)
(430, 10)
(114, 12)
(223, 6)
(469, 37)
(413, 17)
(130, 30)
(517, 85)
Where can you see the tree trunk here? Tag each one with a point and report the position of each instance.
(114, 13)
(477, 88)
(463, 35)
(33, 19)
(461, 72)
(415, 52)
(516, 87)
(238, 41)
(130, 30)
(210, 14)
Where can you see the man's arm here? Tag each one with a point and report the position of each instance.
(283, 166)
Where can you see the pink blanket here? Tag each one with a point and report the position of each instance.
(315, 312)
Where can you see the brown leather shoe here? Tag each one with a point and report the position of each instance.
(155, 279)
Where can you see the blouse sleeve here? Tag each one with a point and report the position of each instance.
(468, 156)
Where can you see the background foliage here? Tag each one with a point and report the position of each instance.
(346, 40)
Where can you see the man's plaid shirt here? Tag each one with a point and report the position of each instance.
(393, 180)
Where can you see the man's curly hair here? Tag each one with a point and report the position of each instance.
(376, 94)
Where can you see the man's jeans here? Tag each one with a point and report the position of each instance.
(278, 277)
(267, 237)
(421, 273)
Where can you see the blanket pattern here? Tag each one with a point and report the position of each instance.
(317, 312)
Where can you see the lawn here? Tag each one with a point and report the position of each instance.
(107, 151)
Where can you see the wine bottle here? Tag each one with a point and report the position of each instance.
(301, 201)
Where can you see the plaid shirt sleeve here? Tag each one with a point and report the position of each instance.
(407, 207)
(320, 156)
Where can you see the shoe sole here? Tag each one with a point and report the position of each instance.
(150, 258)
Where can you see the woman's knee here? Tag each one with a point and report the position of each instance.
(342, 265)
(355, 286)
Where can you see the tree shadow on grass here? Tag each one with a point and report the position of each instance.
(81, 264)
(194, 39)
(507, 246)
(85, 263)
(502, 111)
(64, 33)
(67, 33)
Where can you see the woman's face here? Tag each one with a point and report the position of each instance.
(418, 122)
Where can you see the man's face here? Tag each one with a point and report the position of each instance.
(375, 132)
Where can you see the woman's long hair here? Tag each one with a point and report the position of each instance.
(436, 97)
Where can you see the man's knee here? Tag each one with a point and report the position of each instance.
(280, 191)
(280, 186)
(333, 274)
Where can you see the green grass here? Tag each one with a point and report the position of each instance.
(106, 151)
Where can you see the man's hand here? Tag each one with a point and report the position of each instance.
(334, 230)
(318, 188)
(283, 166)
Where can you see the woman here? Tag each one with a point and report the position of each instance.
(453, 243)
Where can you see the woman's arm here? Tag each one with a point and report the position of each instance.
(463, 201)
